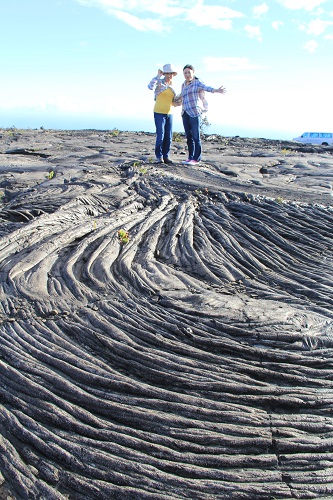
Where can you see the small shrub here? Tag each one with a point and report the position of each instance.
(114, 132)
(123, 236)
(177, 137)
(204, 123)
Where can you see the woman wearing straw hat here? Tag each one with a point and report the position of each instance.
(164, 96)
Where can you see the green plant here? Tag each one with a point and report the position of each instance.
(143, 170)
(50, 175)
(279, 199)
(11, 131)
(123, 236)
(204, 123)
(177, 137)
(114, 132)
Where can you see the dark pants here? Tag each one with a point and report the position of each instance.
(163, 123)
(192, 132)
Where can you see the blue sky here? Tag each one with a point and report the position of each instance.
(73, 64)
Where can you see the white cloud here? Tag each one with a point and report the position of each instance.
(131, 12)
(260, 10)
(219, 64)
(164, 8)
(138, 23)
(317, 27)
(128, 5)
(207, 20)
(277, 24)
(301, 4)
(253, 32)
(214, 16)
(311, 46)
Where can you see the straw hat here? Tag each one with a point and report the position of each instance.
(169, 68)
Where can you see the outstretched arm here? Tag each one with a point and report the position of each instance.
(201, 85)
(220, 90)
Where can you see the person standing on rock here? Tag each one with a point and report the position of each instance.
(191, 93)
(164, 96)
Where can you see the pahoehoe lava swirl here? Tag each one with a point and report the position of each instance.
(193, 361)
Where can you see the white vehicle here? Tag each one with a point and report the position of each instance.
(323, 138)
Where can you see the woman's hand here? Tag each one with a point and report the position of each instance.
(177, 100)
(220, 90)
